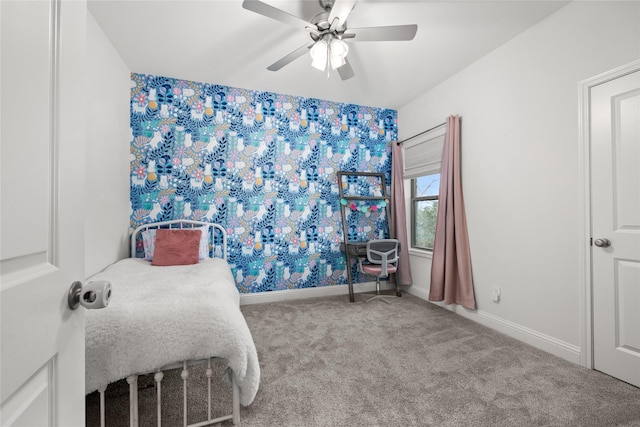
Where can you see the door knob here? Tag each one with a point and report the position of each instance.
(93, 295)
(602, 243)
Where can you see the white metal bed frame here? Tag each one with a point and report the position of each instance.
(132, 380)
(180, 224)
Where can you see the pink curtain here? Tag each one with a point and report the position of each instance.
(398, 215)
(451, 279)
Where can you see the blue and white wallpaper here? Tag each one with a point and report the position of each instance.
(264, 166)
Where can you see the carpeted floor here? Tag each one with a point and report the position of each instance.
(328, 362)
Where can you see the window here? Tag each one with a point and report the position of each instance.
(422, 156)
(424, 210)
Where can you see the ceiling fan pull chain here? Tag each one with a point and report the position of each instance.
(328, 59)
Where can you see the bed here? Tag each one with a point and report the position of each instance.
(167, 316)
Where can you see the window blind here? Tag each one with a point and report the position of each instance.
(423, 153)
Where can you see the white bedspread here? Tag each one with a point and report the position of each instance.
(161, 315)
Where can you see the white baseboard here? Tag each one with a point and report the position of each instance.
(537, 339)
(420, 293)
(293, 294)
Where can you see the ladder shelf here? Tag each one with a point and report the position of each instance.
(349, 183)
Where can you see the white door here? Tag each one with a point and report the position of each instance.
(615, 222)
(42, 243)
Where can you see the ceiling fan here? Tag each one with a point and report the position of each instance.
(328, 31)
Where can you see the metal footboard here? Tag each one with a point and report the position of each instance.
(158, 376)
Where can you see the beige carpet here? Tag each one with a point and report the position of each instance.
(328, 362)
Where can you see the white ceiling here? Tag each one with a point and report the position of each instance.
(219, 42)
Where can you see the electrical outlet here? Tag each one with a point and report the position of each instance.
(495, 294)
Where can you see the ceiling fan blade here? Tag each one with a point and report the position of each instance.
(346, 72)
(341, 10)
(391, 33)
(290, 57)
(279, 15)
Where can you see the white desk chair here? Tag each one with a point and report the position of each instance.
(382, 257)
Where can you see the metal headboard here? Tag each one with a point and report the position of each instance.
(182, 224)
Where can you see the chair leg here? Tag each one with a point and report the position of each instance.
(379, 295)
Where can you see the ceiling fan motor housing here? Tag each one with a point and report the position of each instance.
(321, 21)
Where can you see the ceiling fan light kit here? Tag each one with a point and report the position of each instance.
(328, 29)
(319, 55)
(328, 53)
(339, 51)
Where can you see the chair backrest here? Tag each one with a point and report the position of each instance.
(382, 252)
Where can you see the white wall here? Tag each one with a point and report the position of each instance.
(519, 109)
(107, 153)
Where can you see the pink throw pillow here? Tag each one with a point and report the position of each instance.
(176, 247)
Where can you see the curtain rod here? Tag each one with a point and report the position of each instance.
(420, 133)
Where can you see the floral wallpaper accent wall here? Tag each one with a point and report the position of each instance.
(261, 164)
